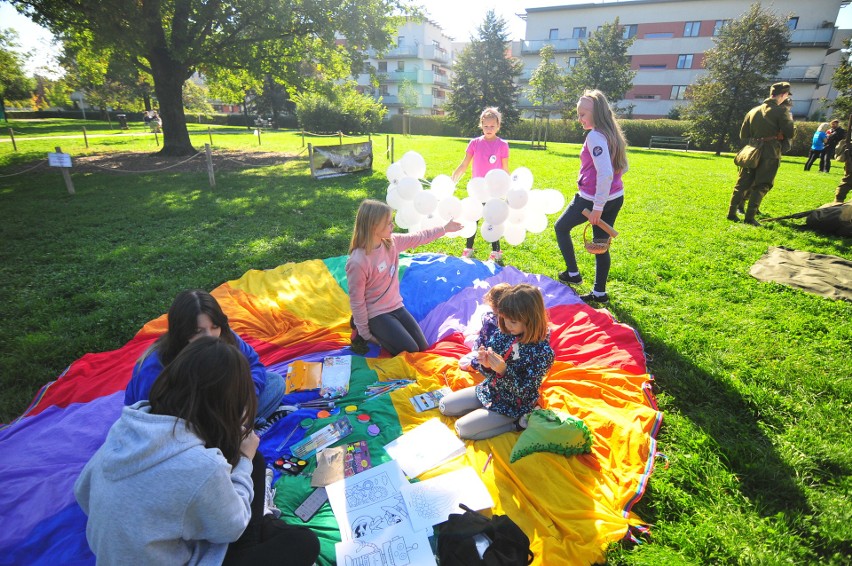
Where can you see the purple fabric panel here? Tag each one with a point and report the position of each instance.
(42, 457)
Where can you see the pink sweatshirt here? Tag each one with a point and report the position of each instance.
(372, 278)
(487, 155)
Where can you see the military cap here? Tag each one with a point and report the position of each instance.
(779, 88)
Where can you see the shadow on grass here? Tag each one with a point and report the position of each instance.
(673, 153)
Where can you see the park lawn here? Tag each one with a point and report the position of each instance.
(753, 378)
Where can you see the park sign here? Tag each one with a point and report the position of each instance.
(59, 159)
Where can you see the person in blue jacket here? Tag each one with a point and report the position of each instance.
(195, 313)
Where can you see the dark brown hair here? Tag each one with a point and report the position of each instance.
(183, 322)
(523, 303)
(209, 386)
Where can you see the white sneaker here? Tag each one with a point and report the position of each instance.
(269, 507)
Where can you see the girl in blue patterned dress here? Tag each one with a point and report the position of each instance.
(514, 361)
(489, 325)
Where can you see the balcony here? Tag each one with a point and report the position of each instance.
(443, 80)
(811, 37)
(397, 76)
(559, 45)
(436, 54)
(800, 74)
(402, 52)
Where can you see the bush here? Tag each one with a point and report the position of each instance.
(348, 112)
(421, 126)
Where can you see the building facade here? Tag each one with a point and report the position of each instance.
(414, 74)
(671, 36)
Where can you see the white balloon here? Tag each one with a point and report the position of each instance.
(535, 204)
(393, 199)
(425, 202)
(476, 189)
(395, 172)
(522, 178)
(553, 201)
(432, 221)
(514, 234)
(491, 232)
(468, 229)
(408, 187)
(450, 208)
(495, 211)
(471, 209)
(517, 198)
(443, 186)
(517, 216)
(536, 223)
(498, 183)
(407, 216)
(414, 164)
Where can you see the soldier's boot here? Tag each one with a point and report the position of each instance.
(736, 200)
(753, 205)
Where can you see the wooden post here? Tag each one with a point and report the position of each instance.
(210, 174)
(85, 137)
(303, 138)
(156, 138)
(210, 135)
(311, 158)
(340, 136)
(258, 135)
(14, 145)
(66, 175)
(391, 159)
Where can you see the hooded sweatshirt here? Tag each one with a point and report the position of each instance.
(155, 495)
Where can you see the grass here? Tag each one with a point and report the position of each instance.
(753, 378)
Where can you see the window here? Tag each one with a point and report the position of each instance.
(646, 97)
(792, 23)
(717, 27)
(684, 61)
(691, 29)
(400, 66)
(572, 61)
(579, 33)
(660, 35)
(400, 41)
(629, 31)
(436, 44)
(554, 33)
(383, 66)
(384, 90)
(678, 92)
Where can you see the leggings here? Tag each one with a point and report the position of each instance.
(397, 331)
(812, 156)
(573, 216)
(477, 422)
(268, 540)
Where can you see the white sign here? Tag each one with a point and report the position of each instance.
(59, 159)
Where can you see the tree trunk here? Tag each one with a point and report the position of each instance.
(169, 77)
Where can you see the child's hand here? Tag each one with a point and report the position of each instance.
(452, 226)
(595, 217)
(248, 447)
(490, 359)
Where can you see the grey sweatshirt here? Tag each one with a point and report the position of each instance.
(155, 495)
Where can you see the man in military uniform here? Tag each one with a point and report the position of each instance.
(846, 181)
(771, 125)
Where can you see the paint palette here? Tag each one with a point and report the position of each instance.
(292, 466)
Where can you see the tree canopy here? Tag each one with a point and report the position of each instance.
(602, 64)
(298, 42)
(14, 84)
(842, 81)
(484, 75)
(745, 60)
(546, 82)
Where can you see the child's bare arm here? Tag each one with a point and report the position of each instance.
(457, 174)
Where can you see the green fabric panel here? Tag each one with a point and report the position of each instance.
(337, 267)
(292, 490)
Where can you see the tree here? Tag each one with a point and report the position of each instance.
(295, 40)
(546, 83)
(195, 98)
(602, 64)
(747, 56)
(14, 84)
(484, 75)
(842, 81)
(408, 96)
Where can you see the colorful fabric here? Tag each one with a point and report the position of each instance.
(571, 507)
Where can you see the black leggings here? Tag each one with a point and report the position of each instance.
(268, 540)
(812, 156)
(397, 331)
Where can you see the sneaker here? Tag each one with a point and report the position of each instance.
(496, 257)
(269, 507)
(592, 298)
(467, 253)
(570, 279)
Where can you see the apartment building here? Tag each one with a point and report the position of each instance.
(671, 36)
(422, 58)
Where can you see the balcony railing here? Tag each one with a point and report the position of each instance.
(436, 54)
(404, 51)
(812, 37)
(397, 76)
(800, 74)
(559, 45)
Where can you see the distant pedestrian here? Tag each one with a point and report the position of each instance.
(771, 125)
(817, 146)
(835, 134)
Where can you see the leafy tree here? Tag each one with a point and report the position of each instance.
(603, 64)
(195, 98)
(345, 110)
(298, 41)
(408, 96)
(274, 100)
(842, 81)
(546, 82)
(14, 84)
(484, 75)
(747, 56)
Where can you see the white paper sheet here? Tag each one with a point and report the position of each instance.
(393, 545)
(431, 501)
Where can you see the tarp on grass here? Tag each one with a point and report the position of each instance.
(571, 507)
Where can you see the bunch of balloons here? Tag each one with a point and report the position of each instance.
(507, 204)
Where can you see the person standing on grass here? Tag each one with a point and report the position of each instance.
(817, 146)
(603, 160)
(835, 134)
(487, 152)
(770, 124)
(378, 314)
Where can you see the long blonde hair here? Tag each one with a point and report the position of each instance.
(371, 213)
(606, 124)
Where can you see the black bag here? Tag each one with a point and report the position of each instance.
(458, 536)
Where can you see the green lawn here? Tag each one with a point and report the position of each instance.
(753, 378)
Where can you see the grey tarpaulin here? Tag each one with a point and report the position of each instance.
(826, 275)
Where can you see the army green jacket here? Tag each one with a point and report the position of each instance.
(768, 121)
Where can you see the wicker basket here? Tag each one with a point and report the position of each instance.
(595, 245)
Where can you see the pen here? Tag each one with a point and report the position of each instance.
(488, 461)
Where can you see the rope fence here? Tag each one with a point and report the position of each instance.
(36, 166)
